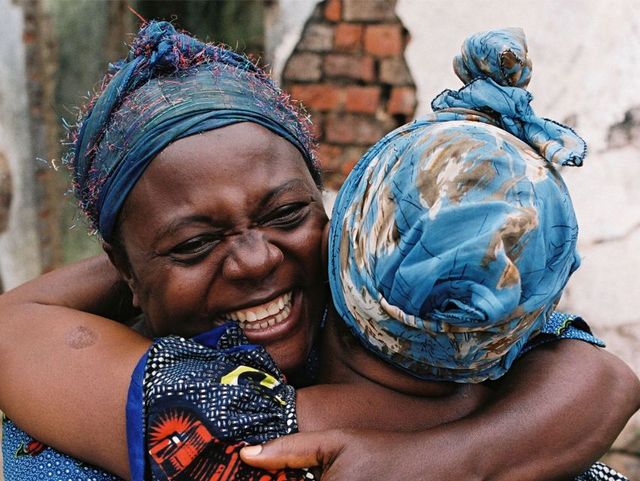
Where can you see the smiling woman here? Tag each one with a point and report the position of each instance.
(202, 248)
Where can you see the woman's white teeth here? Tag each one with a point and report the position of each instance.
(268, 314)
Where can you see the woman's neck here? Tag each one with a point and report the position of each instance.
(344, 360)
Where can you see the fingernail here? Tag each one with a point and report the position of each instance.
(252, 450)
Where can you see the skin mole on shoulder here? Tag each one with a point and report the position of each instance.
(80, 337)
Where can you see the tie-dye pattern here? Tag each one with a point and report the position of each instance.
(452, 239)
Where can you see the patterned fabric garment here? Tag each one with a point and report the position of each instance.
(26, 459)
(197, 398)
(601, 472)
(496, 69)
(452, 239)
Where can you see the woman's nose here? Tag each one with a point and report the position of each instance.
(251, 257)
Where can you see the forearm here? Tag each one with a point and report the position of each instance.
(68, 370)
(91, 285)
(370, 406)
(555, 413)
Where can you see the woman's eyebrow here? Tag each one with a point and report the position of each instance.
(178, 223)
(298, 185)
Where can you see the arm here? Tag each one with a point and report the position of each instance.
(59, 349)
(91, 286)
(69, 370)
(547, 421)
(78, 364)
(83, 362)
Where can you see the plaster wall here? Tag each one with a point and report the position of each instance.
(285, 20)
(19, 251)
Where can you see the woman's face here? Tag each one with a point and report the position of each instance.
(227, 225)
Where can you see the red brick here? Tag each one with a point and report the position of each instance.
(394, 71)
(304, 67)
(402, 101)
(333, 10)
(315, 96)
(317, 38)
(352, 130)
(350, 159)
(369, 10)
(362, 99)
(351, 67)
(383, 40)
(329, 156)
(348, 37)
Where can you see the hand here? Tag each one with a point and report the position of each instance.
(350, 455)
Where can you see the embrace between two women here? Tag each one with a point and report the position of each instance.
(449, 247)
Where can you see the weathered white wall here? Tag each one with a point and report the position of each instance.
(19, 254)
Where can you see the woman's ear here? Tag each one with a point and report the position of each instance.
(118, 257)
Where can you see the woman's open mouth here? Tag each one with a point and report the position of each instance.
(266, 315)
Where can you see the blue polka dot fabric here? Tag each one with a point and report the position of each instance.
(561, 325)
(26, 459)
(601, 472)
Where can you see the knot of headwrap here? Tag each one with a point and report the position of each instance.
(169, 87)
(495, 68)
(451, 240)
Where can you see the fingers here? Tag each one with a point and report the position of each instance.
(302, 450)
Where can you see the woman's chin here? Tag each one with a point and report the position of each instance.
(289, 340)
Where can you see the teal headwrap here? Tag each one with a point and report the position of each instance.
(170, 86)
(452, 239)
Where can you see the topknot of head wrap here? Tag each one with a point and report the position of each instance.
(451, 240)
(161, 48)
(500, 55)
(169, 87)
(495, 68)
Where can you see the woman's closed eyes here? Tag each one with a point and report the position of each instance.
(287, 216)
(194, 249)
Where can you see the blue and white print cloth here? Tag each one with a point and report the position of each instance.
(453, 237)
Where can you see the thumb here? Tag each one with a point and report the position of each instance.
(302, 450)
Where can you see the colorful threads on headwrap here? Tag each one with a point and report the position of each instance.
(450, 244)
(495, 68)
(170, 86)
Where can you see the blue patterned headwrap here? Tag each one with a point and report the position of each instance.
(170, 86)
(453, 238)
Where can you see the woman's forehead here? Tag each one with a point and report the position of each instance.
(215, 172)
(232, 146)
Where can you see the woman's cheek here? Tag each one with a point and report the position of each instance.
(176, 301)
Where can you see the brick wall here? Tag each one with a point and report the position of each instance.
(348, 70)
